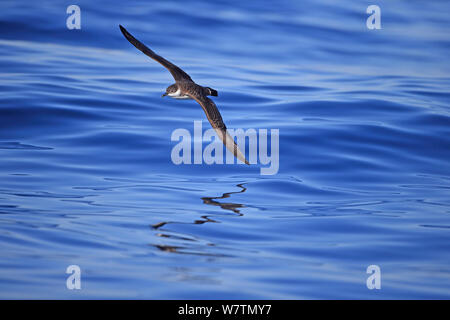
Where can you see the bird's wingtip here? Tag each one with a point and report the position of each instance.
(124, 31)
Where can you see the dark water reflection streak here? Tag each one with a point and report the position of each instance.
(165, 232)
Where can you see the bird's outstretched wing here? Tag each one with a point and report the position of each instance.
(215, 119)
(177, 73)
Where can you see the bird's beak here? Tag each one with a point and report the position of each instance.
(165, 94)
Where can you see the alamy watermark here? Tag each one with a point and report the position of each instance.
(374, 280)
(214, 153)
(74, 280)
(74, 20)
(374, 20)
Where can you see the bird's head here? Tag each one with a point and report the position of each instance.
(171, 90)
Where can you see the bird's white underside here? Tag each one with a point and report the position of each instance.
(178, 95)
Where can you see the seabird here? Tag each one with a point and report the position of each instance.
(185, 88)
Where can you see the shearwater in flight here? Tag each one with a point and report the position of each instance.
(185, 88)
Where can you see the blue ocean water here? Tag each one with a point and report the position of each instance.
(86, 176)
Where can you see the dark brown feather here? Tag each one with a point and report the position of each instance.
(211, 111)
(215, 119)
(177, 73)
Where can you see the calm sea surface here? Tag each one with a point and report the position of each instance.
(86, 176)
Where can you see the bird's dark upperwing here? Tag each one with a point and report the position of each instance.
(177, 73)
(214, 117)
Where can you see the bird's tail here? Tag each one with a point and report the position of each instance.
(231, 145)
(212, 92)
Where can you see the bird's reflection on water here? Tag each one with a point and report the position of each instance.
(226, 205)
(213, 201)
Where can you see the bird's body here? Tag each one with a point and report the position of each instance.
(185, 88)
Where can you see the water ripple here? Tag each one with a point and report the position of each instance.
(86, 176)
